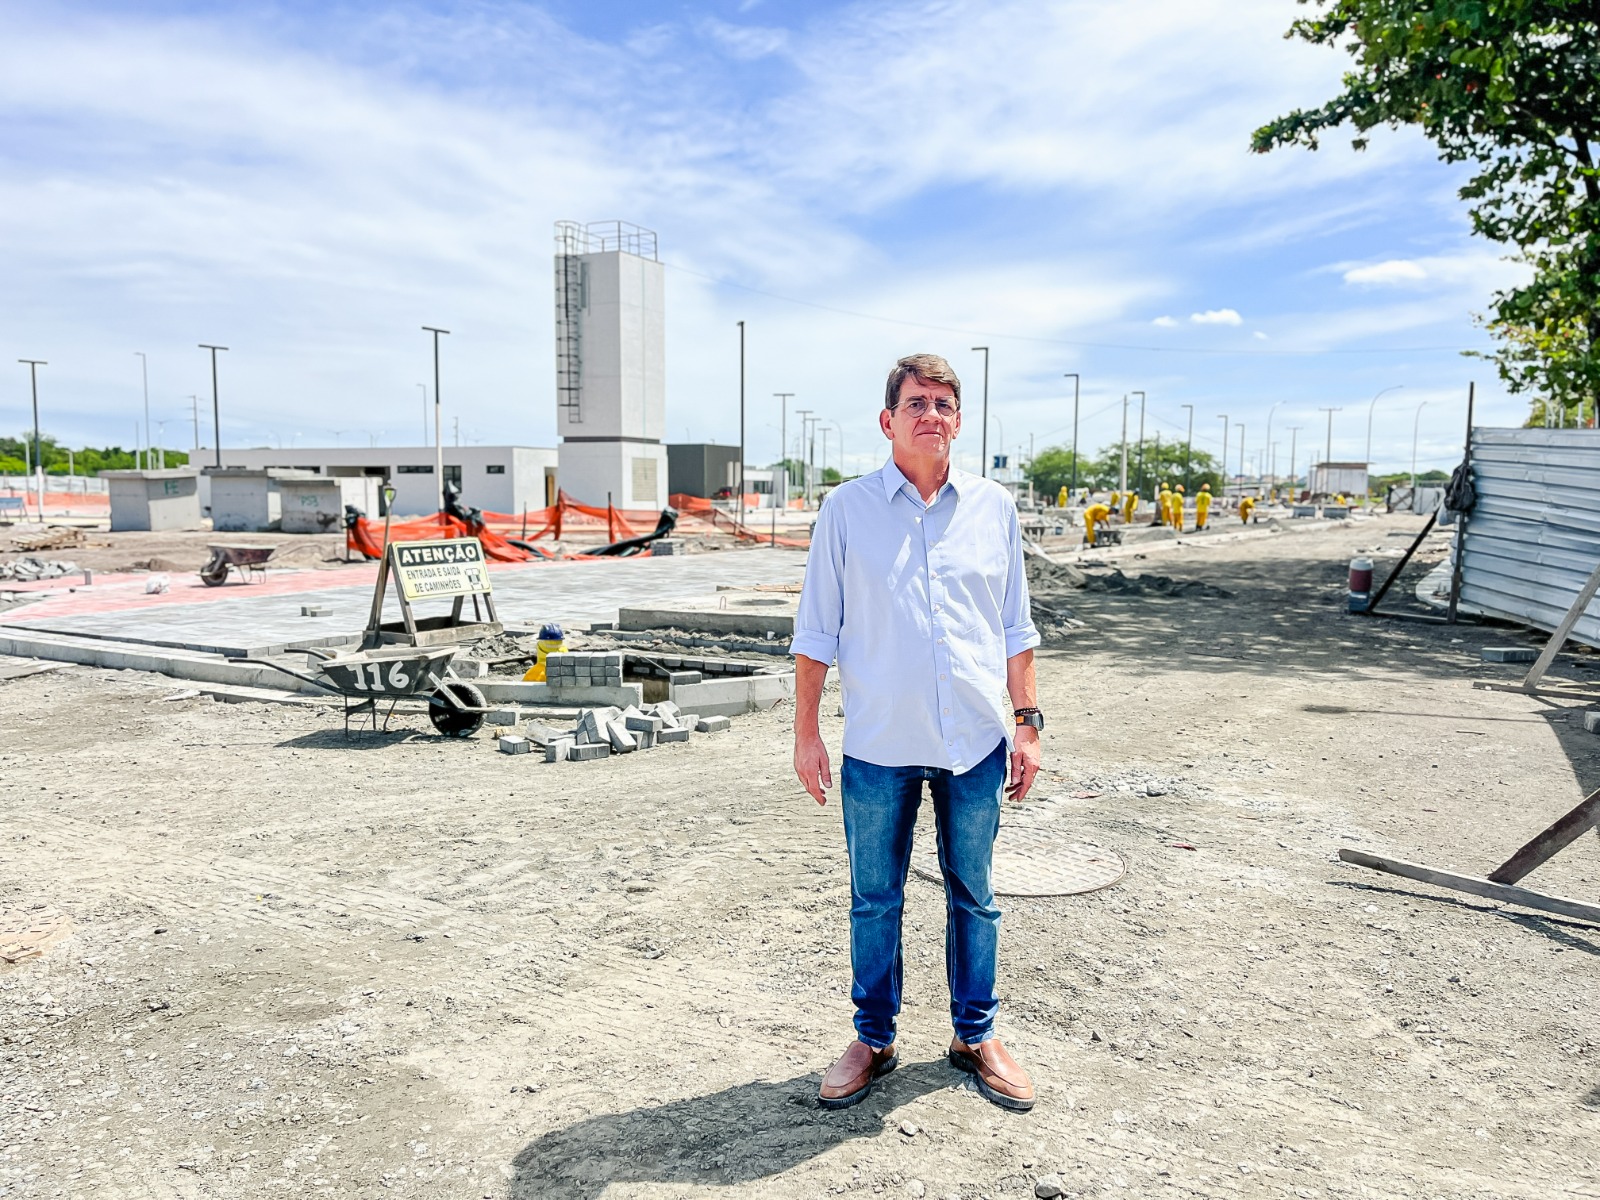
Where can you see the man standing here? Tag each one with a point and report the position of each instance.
(916, 584)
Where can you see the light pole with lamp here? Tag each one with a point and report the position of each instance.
(438, 432)
(985, 439)
(194, 404)
(1188, 449)
(1140, 486)
(1294, 431)
(1073, 375)
(781, 497)
(838, 428)
(1416, 424)
(38, 463)
(1224, 458)
(424, 388)
(741, 422)
(144, 375)
(1370, 407)
(1241, 460)
(1270, 411)
(216, 408)
(822, 476)
(805, 472)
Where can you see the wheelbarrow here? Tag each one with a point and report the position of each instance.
(249, 561)
(366, 678)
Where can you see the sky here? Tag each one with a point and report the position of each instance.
(1067, 182)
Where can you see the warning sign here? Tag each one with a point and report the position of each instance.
(449, 568)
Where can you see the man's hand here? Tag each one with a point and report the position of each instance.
(811, 764)
(1024, 762)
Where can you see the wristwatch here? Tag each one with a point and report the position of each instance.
(1029, 716)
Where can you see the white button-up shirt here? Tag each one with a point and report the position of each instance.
(922, 604)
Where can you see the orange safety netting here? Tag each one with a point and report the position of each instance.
(697, 507)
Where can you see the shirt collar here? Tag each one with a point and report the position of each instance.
(894, 479)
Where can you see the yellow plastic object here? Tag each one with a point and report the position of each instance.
(545, 646)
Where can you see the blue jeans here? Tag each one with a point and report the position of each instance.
(880, 810)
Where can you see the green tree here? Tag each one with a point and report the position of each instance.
(84, 461)
(1163, 463)
(1512, 87)
(1051, 470)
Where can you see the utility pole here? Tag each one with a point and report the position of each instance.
(424, 388)
(438, 443)
(1188, 447)
(1328, 455)
(1241, 458)
(1416, 424)
(38, 463)
(1073, 375)
(1370, 407)
(1140, 486)
(781, 497)
(741, 421)
(194, 403)
(1293, 432)
(985, 450)
(216, 410)
(1270, 411)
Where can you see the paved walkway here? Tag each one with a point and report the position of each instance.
(265, 618)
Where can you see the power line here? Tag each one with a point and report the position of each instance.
(1019, 337)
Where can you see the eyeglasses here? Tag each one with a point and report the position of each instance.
(916, 406)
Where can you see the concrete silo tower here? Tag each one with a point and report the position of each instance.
(610, 364)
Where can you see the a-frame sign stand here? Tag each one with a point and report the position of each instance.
(450, 567)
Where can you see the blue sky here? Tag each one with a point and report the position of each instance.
(1068, 183)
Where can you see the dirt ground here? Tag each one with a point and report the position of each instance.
(411, 966)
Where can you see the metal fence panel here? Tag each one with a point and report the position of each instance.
(1534, 537)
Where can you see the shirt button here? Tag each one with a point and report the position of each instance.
(941, 677)
(947, 712)
(941, 641)
(935, 608)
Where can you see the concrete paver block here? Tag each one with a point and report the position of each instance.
(678, 679)
(642, 723)
(1509, 654)
(559, 749)
(646, 738)
(714, 725)
(503, 716)
(589, 753)
(672, 735)
(315, 610)
(1591, 720)
(621, 740)
(515, 743)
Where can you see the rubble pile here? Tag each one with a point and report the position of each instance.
(1158, 585)
(28, 569)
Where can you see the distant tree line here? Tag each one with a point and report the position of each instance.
(89, 460)
(1163, 462)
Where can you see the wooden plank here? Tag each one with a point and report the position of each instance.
(1558, 639)
(1504, 892)
(1577, 692)
(1551, 842)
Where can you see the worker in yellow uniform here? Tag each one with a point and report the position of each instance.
(1095, 514)
(1061, 497)
(1163, 507)
(1247, 505)
(1130, 504)
(1116, 501)
(1202, 506)
(1177, 507)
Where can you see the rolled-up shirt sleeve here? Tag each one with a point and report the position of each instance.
(1016, 611)
(821, 611)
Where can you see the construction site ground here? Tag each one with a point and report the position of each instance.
(410, 966)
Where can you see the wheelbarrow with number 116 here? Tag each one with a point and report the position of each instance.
(366, 678)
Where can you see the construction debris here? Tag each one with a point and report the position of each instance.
(48, 539)
(26, 570)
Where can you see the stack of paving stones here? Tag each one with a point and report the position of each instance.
(580, 669)
(601, 732)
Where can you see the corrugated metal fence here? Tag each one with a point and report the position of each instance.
(1534, 538)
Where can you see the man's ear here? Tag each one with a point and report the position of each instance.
(885, 415)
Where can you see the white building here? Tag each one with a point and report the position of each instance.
(611, 375)
(505, 479)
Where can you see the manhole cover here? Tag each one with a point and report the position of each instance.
(1038, 862)
(29, 934)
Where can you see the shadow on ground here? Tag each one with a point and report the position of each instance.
(744, 1133)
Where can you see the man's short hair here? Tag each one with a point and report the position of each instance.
(925, 368)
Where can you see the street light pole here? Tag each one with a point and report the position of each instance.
(1294, 431)
(1274, 472)
(424, 388)
(840, 429)
(741, 421)
(985, 440)
(194, 404)
(1415, 425)
(1073, 375)
(1122, 478)
(38, 463)
(1188, 448)
(1370, 407)
(1241, 459)
(438, 438)
(1140, 487)
(1224, 457)
(144, 374)
(805, 473)
(216, 409)
(781, 498)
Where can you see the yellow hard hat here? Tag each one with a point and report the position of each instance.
(1180, 487)
(1205, 487)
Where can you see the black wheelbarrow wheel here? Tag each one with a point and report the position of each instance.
(214, 573)
(450, 720)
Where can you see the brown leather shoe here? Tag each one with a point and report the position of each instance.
(1000, 1079)
(850, 1079)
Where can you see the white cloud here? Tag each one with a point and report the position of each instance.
(1259, 336)
(1217, 316)
(1395, 270)
(1478, 270)
(1164, 322)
